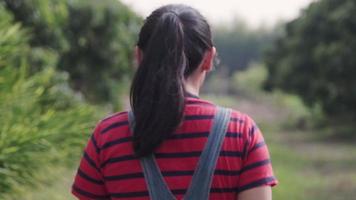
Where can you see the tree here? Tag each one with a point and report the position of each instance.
(42, 121)
(93, 39)
(315, 58)
(102, 35)
(238, 45)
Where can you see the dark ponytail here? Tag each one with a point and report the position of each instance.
(157, 91)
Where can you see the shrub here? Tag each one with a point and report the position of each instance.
(42, 121)
(315, 59)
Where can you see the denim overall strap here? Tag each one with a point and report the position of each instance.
(157, 187)
(202, 178)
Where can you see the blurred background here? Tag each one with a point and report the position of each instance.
(291, 65)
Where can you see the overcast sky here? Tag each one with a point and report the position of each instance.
(254, 12)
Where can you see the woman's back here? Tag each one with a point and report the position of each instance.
(174, 53)
(110, 170)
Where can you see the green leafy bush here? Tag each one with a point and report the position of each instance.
(94, 41)
(239, 45)
(249, 83)
(42, 121)
(249, 80)
(315, 60)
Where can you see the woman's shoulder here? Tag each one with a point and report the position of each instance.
(240, 116)
(115, 116)
(241, 121)
(113, 119)
(236, 114)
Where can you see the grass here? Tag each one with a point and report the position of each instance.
(54, 183)
(58, 190)
(291, 183)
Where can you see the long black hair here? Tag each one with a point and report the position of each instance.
(173, 41)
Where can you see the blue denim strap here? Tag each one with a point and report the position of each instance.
(202, 178)
(156, 185)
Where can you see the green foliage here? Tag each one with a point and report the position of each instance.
(315, 58)
(250, 80)
(216, 83)
(94, 41)
(43, 123)
(102, 35)
(238, 45)
(44, 18)
(11, 37)
(249, 84)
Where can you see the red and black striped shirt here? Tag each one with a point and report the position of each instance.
(109, 169)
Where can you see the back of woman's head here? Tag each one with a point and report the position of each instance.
(173, 41)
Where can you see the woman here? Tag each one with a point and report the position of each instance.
(168, 138)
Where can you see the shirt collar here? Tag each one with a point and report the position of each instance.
(188, 94)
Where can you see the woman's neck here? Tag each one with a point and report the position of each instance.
(194, 82)
(192, 90)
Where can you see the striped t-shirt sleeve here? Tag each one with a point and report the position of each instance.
(257, 168)
(88, 182)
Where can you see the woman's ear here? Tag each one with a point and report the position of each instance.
(138, 55)
(208, 59)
